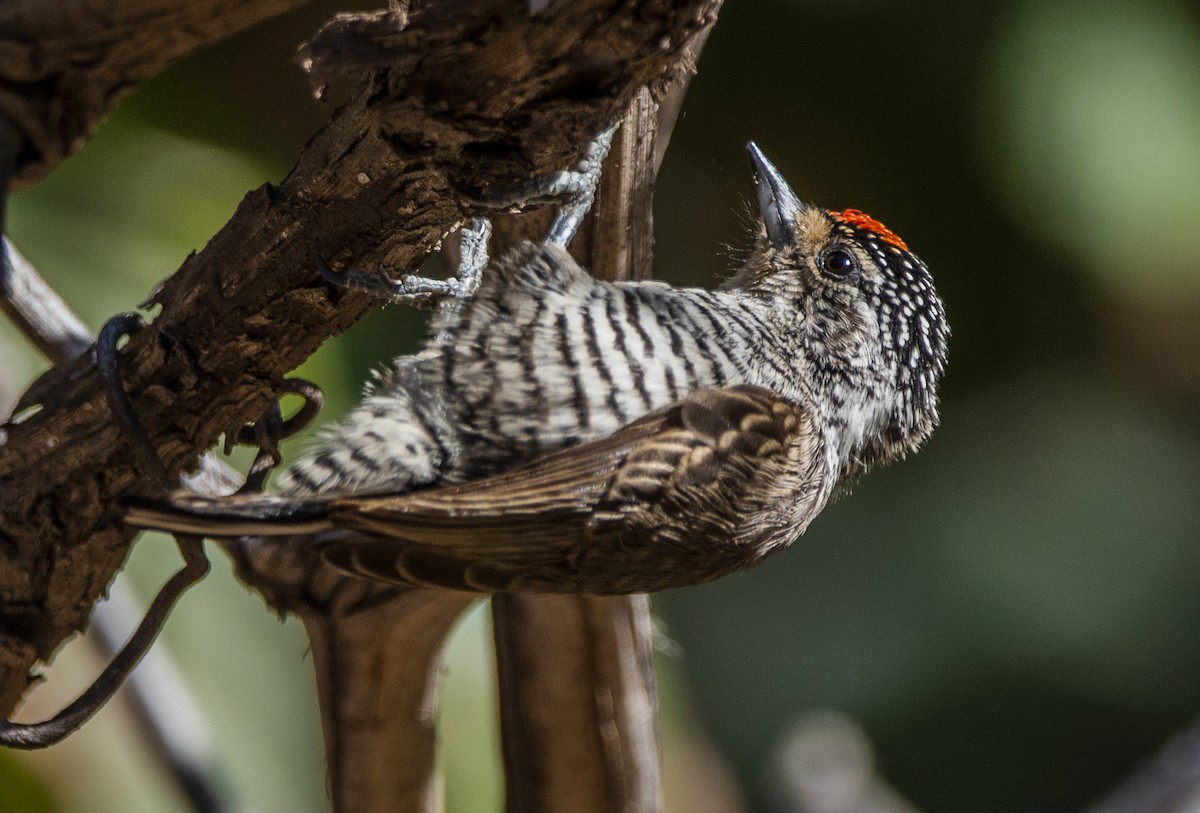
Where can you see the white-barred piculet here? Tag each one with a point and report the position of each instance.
(559, 433)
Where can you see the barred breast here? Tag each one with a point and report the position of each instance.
(542, 356)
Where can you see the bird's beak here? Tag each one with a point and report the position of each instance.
(776, 200)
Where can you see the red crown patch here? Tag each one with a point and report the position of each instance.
(861, 220)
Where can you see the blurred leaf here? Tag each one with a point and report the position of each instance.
(1094, 124)
(22, 792)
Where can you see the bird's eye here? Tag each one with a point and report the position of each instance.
(839, 264)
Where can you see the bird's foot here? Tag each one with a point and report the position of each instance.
(573, 190)
(414, 290)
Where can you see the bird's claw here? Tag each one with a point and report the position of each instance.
(414, 290)
(574, 191)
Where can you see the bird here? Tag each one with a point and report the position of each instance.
(559, 433)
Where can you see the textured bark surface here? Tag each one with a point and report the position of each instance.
(377, 655)
(65, 63)
(475, 93)
(578, 703)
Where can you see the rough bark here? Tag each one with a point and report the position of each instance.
(65, 63)
(473, 92)
(377, 654)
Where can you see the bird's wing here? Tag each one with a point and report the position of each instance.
(689, 492)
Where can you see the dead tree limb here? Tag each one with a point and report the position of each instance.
(578, 703)
(578, 693)
(64, 64)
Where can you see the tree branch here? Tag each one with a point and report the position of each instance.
(38, 311)
(578, 703)
(177, 735)
(377, 653)
(65, 63)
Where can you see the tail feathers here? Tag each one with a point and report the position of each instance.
(254, 515)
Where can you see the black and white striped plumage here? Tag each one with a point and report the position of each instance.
(563, 433)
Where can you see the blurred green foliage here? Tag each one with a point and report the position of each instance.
(1011, 613)
(23, 793)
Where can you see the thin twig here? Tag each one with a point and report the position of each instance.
(171, 721)
(48, 732)
(38, 311)
(33, 306)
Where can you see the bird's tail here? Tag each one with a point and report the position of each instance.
(248, 515)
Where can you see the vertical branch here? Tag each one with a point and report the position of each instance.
(578, 706)
(377, 654)
(618, 242)
(378, 699)
(578, 701)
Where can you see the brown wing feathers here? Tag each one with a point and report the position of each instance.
(634, 511)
